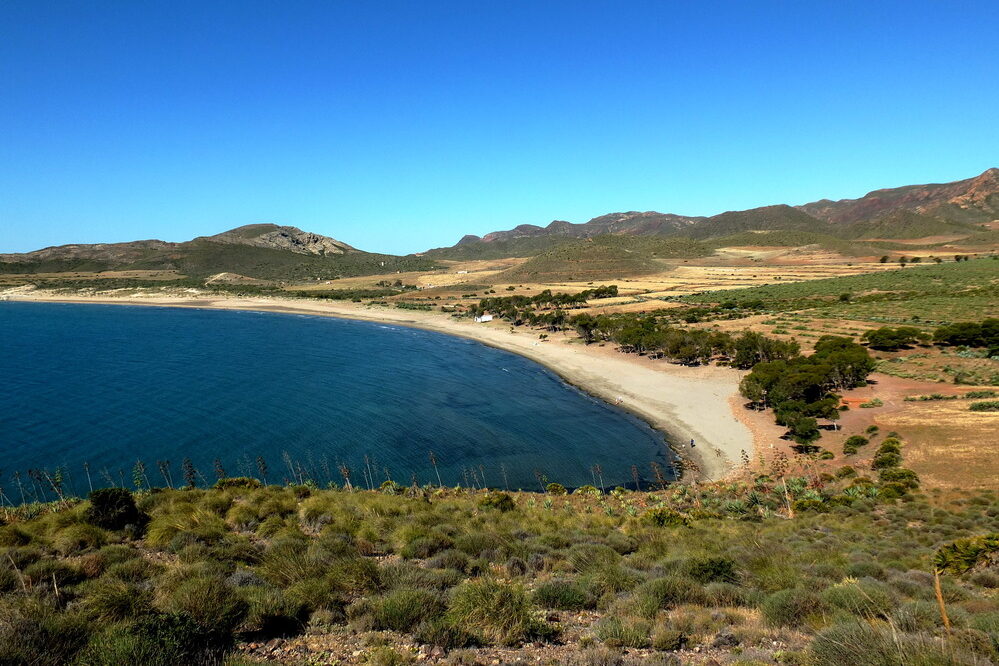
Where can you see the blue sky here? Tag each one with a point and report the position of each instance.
(399, 126)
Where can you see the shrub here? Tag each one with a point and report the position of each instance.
(237, 482)
(449, 559)
(866, 598)
(34, 632)
(856, 441)
(404, 609)
(790, 608)
(498, 612)
(712, 569)
(112, 509)
(671, 591)
(501, 501)
(555, 489)
(669, 640)
(863, 643)
(628, 632)
(815, 505)
(77, 538)
(985, 406)
(589, 556)
(443, 634)
(964, 554)
(886, 460)
(425, 546)
(110, 600)
(666, 517)
(271, 612)
(562, 595)
(13, 535)
(210, 603)
(890, 445)
(177, 638)
(906, 477)
(44, 572)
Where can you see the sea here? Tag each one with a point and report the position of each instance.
(125, 395)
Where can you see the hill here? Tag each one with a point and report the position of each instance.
(963, 201)
(937, 209)
(263, 251)
(901, 223)
(603, 257)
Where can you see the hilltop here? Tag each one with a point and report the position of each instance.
(913, 211)
(264, 251)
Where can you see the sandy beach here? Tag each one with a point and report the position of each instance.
(698, 404)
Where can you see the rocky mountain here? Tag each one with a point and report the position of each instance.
(292, 239)
(964, 201)
(919, 210)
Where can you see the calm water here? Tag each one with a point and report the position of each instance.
(108, 385)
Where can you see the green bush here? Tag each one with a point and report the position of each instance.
(712, 569)
(906, 477)
(865, 598)
(671, 591)
(33, 631)
(623, 632)
(498, 612)
(425, 546)
(790, 608)
(886, 460)
(78, 538)
(562, 595)
(209, 602)
(110, 600)
(856, 441)
(237, 482)
(443, 634)
(501, 501)
(985, 406)
(871, 645)
(403, 609)
(112, 509)
(669, 640)
(666, 517)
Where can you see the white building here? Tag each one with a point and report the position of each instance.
(483, 318)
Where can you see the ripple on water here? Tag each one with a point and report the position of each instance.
(113, 384)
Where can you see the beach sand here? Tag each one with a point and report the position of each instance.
(699, 404)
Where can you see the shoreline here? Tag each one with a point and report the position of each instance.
(688, 408)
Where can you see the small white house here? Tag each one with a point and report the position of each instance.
(481, 319)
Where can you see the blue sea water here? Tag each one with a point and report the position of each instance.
(107, 385)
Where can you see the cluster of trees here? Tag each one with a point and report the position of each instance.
(970, 334)
(801, 389)
(519, 308)
(887, 338)
(645, 334)
(963, 334)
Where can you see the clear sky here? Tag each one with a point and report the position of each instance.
(400, 126)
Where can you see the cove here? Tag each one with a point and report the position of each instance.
(95, 388)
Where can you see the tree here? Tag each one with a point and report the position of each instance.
(887, 338)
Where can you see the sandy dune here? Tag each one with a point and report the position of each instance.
(686, 403)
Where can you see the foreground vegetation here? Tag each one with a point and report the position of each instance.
(787, 565)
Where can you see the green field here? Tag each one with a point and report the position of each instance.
(931, 293)
(604, 257)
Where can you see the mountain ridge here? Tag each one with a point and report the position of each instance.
(964, 202)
